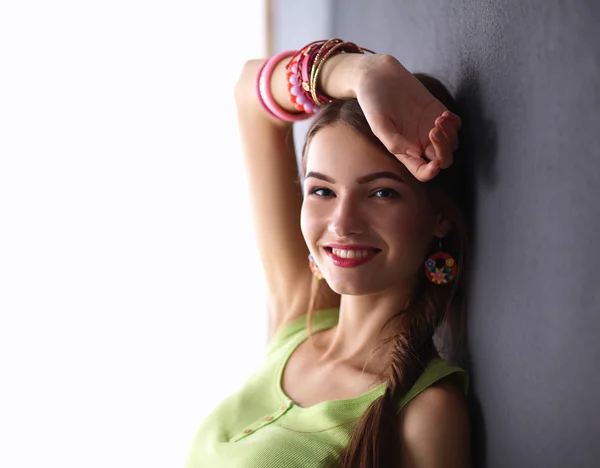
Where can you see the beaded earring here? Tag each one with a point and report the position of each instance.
(440, 267)
(314, 267)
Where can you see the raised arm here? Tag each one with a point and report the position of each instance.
(275, 193)
(275, 190)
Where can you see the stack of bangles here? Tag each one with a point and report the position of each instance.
(302, 72)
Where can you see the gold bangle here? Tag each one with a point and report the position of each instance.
(316, 61)
(313, 82)
(336, 40)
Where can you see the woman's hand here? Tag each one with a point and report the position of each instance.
(406, 117)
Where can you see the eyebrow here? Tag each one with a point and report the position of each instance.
(361, 180)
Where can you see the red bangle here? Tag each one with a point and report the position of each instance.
(307, 61)
(304, 66)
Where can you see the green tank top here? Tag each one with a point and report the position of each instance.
(258, 426)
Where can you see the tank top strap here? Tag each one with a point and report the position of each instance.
(436, 370)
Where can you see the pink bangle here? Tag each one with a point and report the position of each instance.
(264, 89)
(258, 91)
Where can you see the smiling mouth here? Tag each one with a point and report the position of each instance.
(347, 258)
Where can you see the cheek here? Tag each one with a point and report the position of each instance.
(407, 230)
(403, 223)
(307, 224)
(410, 226)
(313, 221)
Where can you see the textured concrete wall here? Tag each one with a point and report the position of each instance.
(527, 78)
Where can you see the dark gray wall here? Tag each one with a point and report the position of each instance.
(296, 24)
(526, 75)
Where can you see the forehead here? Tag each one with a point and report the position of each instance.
(342, 153)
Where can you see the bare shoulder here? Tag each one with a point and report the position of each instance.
(435, 428)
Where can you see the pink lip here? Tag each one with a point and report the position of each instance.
(349, 262)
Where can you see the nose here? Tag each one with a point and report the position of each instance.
(346, 218)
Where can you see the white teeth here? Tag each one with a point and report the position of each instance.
(350, 253)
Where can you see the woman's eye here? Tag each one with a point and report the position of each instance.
(321, 192)
(385, 193)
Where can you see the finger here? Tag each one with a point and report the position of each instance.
(386, 131)
(449, 132)
(439, 149)
(418, 167)
(447, 122)
(404, 150)
(455, 119)
(443, 148)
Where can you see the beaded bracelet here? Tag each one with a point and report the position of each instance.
(295, 93)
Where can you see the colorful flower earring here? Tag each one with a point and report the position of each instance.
(440, 267)
(314, 267)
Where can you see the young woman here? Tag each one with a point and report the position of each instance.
(360, 282)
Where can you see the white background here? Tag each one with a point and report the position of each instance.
(131, 297)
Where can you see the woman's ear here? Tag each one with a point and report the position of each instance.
(442, 226)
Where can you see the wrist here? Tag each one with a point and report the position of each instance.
(338, 75)
(342, 74)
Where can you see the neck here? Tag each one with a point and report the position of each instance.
(356, 337)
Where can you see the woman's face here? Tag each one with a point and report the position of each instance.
(365, 218)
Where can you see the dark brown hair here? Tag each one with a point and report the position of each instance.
(435, 313)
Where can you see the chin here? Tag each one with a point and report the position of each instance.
(352, 288)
